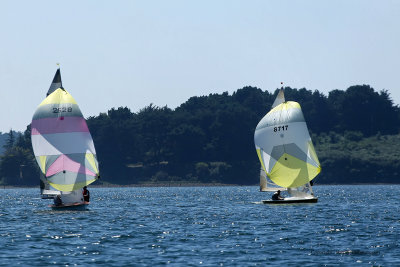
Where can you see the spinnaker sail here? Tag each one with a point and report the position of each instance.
(266, 185)
(284, 146)
(62, 143)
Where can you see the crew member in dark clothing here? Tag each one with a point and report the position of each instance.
(57, 200)
(86, 194)
(277, 196)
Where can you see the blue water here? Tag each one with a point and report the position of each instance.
(207, 226)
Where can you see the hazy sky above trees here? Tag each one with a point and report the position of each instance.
(133, 53)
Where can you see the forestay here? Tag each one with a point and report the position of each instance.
(284, 146)
(62, 143)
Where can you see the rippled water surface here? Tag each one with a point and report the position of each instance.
(210, 226)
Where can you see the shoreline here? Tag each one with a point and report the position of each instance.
(176, 184)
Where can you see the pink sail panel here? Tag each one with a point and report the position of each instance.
(65, 163)
(59, 125)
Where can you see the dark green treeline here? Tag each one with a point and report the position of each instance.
(210, 139)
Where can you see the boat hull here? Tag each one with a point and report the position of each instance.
(291, 201)
(71, 206)
(47, 196)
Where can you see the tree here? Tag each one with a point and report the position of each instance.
(10, 140)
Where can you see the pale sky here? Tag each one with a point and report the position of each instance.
(133, 53)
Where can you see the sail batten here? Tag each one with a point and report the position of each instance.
(284, 145)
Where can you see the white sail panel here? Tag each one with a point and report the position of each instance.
(63, 143)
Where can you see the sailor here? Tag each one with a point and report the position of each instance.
(277, 195)
(86, 194)
(57, 200)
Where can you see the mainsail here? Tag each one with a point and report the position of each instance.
(284, 146)
(46, 190)
(56, 83)
(280, 98)
(62, 142)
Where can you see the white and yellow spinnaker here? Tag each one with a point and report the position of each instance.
(62, 143)
(284, 146)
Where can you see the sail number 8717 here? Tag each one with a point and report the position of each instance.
(281, 128)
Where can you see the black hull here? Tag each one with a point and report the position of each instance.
(290, 201)
(73, 206)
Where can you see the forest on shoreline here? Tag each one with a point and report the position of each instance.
(210, 139)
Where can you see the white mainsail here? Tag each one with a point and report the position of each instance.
(46, 190)
(280, 98)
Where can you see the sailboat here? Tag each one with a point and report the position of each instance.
(63, 146)
(286, 153)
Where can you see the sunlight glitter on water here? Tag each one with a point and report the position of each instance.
(214, 225)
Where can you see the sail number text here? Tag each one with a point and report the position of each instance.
(63, 109)
(281, 128)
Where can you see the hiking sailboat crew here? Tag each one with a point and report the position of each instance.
(277, 195)
(86, 194)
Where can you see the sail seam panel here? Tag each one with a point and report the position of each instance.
(55, 125)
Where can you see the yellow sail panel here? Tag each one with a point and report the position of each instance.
(92, 162)
(59, 96)
(285, 106)
(290, 171)
(43, 163)
(70, 187)
(261, 160)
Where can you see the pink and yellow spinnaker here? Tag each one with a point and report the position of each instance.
(62, 143)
